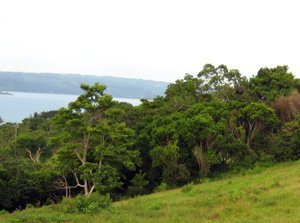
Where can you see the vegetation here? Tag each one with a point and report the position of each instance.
(204, 127)
(256, 195)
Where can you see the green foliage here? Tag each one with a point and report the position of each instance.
(187, 188)
(205, 126)
(3, 212)
(86, 205)
(288, 145)
(154, 206)
(94, 145)
(225, 84)
(139, 184)
(250, 120)
(247, 197)
(32, 146)
(162, 187)
(9, 192)
(166, 157)
(270, 83)
(36, 218)
(28, 206)
(185, 93)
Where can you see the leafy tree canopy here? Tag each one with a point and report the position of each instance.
(270, 83)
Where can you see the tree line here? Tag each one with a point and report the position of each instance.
(216, 122)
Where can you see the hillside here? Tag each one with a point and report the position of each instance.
(258, 195)
(69, 84)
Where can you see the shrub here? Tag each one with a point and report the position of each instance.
(162, 187)
(86, 205)
(187, 188)
(28, 206)
(4, 212)
(154, 206)
(49, 202)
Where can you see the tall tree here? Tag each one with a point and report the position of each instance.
(224, 83)
(288, 145)
(9, 191)
(93, 143)
(167, 158)
(185, 93)
(270, 83)
(249, 120)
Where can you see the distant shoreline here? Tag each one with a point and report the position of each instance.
(51, 83)
(5, 93)
(30, 103)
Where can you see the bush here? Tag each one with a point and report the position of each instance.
(28, 206)
(153, 206)
(49, 202)
(187, 188)
(162, 187)
(4, 212)
(82, 204)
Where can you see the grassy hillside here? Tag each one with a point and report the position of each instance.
(259, 195)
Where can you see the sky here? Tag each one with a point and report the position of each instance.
(153, 40)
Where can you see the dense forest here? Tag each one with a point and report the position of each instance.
(216, 122)
(69, 84)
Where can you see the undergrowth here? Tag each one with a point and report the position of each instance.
(262, 194)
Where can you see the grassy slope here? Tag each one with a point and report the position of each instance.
(259, 195)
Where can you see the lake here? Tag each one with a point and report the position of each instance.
(20, 105)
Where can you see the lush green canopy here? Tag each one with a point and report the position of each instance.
(216, 122)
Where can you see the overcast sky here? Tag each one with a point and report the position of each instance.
(155, 40)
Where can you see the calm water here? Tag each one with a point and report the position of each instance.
(19, 105)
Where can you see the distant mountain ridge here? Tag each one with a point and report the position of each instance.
(70, 84)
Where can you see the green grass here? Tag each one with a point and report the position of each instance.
(259, 195)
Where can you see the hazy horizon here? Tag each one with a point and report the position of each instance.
(150, 40)
(92, 75)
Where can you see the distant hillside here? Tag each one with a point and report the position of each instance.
(70, 84)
